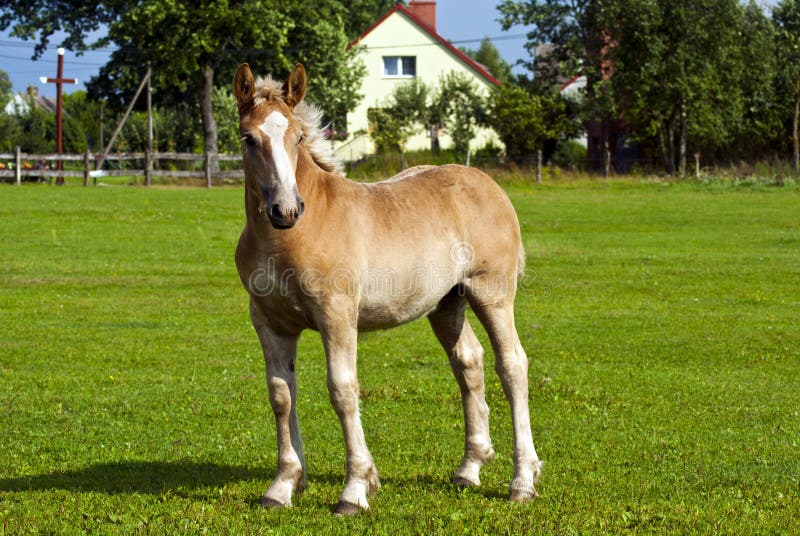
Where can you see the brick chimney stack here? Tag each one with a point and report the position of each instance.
(424, 10)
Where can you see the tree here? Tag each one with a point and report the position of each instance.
(461, 109)
(675, 68)
(524, 121)
(786, 17)
(760, 119)
(191, 45)
(362, 14)
(81, 126)
(35, 129)
(389, 132)
(570, 26)
(9, 129)
(412, 103)
(453, 103)
(488, 55)
(5, 89)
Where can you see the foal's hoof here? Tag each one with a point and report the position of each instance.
(271, 504)
(462, 482)
(523, 495)
(345, 508)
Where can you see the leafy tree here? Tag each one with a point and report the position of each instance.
(389, 132)
(228, 124)
(453, 103)
(176, 128)
(571, 26)
(488, 55)
(5, 89)
(755, 132)
(462, 109)
(35, 129)
(786, 17)
(412, 103)
(191, 45)
(82, 114)
(8, 127)
(41, 20)
(334, 73)
(675, 71)
(525, 121)
(362, 14)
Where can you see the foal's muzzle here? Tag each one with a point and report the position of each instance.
(283, 213)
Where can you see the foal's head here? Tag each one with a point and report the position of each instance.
(271, 138)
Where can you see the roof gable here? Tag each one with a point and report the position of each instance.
(476, 67)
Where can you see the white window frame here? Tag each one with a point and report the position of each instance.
(399, 65)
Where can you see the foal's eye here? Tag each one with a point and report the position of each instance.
(301, 138)
(249, 140)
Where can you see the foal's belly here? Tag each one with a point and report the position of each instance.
(386, 303)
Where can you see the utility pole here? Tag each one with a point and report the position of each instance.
(59, 80)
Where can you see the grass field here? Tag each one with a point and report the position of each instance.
(661, 322)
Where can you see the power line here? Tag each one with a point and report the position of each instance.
(72, 61)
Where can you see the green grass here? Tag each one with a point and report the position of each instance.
(661, 322)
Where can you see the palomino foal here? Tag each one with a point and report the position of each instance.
(321, 252)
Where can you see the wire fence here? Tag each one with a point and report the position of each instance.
(210, 169)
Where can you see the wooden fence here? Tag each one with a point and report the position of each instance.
(90, 174)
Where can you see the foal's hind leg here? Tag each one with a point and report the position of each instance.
(280, 353)
(466, 360)
(511, 363)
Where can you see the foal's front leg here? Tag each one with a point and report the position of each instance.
(280, 353)
(340, 337)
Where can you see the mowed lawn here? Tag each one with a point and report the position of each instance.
(660, 319)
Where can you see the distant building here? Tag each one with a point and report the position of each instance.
(400, 46)
(20, 104)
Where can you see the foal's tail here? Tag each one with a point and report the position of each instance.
(520, 263)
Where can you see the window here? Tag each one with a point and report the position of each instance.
(400, 66)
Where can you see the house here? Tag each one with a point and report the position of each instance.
(20, 104)
(402, 45)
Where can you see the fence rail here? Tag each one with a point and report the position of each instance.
(90, 161)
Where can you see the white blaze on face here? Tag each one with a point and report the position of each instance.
(274, 126)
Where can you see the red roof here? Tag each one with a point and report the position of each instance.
(472, 64)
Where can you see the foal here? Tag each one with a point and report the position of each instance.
(322, 252)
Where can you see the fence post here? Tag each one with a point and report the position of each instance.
(208, 169)
(606, 163)
(148, 166)
(86, 168)
(18, 166)
(538, 166)
(468, 155)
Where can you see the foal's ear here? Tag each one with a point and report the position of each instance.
(295, 86)
(244, 86)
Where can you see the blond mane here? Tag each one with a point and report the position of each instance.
(310, 117)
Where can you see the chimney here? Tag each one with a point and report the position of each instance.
(425, 11)
(33, 91)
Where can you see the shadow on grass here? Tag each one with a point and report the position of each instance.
(183, 478)
(137, 477)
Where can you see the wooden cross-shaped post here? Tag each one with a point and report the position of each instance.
(59, 80)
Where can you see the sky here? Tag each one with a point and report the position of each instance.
(464, 22)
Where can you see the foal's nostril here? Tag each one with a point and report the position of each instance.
(276, 211)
